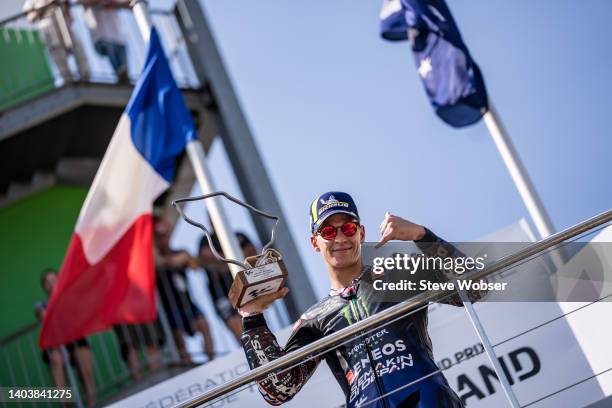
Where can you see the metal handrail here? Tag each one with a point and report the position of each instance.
(399, 310)
(22, 14)
(18, 333)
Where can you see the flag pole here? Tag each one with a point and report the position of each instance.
(195, 152)
(517, 171)
(522, 182)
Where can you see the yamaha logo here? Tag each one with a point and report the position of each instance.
(330, 200)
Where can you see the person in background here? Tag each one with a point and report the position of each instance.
(54, 21)
(183, 315)
(133, 336)
(79, 351)
(220, 279)
(103, 20)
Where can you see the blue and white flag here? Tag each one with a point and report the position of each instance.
(452, 80)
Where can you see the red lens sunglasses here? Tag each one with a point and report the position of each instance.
(348, 229)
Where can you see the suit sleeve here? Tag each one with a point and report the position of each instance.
(261, 347)
(433, 246)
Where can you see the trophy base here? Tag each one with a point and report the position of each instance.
(254, 282)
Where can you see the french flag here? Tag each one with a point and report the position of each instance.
(108, 272)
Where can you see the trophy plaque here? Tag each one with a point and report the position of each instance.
(266, 274)
(257, 275)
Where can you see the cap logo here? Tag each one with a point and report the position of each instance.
(330, 204)
(330, 200)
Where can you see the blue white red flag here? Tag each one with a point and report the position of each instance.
(107, 276)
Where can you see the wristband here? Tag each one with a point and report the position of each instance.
(253, 320)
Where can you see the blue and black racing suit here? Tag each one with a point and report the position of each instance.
(390, 367)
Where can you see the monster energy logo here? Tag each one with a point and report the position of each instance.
(351, 311)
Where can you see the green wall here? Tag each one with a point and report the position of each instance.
(35, 234)
(25, 70)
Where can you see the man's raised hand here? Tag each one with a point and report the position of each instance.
(394, 227)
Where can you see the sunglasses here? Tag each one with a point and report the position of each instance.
(348, 229)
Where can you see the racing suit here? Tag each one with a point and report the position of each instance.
(392, 366)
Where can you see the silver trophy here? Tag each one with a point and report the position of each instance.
(260, 274)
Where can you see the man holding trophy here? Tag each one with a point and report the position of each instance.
(392, 366)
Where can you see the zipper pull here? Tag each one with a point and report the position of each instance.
(349, 292)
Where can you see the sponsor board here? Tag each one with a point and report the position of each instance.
(208, 376)
(550, 360)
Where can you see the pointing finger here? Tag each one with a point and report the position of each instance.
(382, 242)
(386, 236)
(385, 220)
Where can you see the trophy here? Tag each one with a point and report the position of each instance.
(258, 275)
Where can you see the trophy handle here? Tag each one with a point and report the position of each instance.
(176, 204)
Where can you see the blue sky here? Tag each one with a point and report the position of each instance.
(333, 106)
